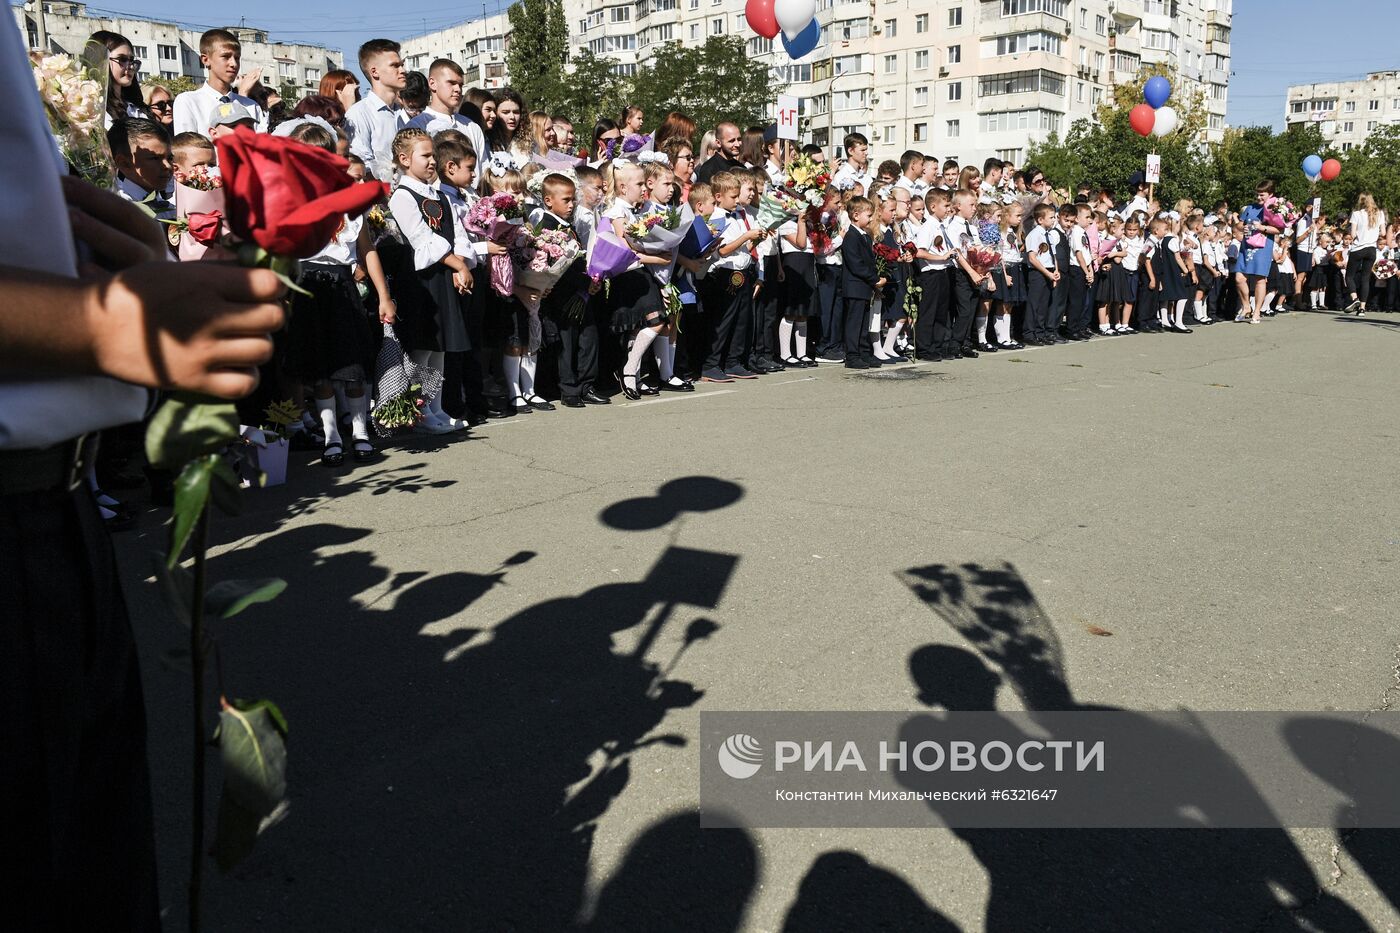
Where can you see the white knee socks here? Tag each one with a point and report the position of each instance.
(528, 363)
(891, 336)
(979, 328)
(1003, 326)
(784, 339)
(665, 353)
(511, 364)
(640, 344)
(359, 416)
(325, 407)
(800, 331)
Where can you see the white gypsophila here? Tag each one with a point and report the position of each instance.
(814, 197)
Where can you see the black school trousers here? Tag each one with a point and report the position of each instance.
(931, 328)
(1040, 297)
(731, 338)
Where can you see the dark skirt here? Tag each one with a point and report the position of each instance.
(1281, 283)
(1011, 283)
(633, 298)
(429, 311)
(1175, 286)
(330, 330)
(1111, 285)
(800, 285)
(1317, 276)
(506, 321)
(1303, 260)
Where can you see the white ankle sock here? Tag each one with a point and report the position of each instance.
(511, 364)
(1003, 327)
(325, 407)
(799, 329)
(359, 416)
(528, 362)
(979, 328)
(784, 339)
(640, 344)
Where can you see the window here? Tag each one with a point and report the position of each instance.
(1021, 120)
(954, 129)
(313, 75)
(1298, 106)
(1349, 107)
(1101, 25)
(1096, 96)
(498, 70)
(1323, 105)
(921, 60)
(921, 23)
(1098, 61)
(668, 32)
(1346, 147)
(620, 14)
(1395, 103)
(1020, 82)
(1155, 7)
(171, 76)
(1370, 125)
(954, 54)
(921, 96)
(1159, 39)
(1126, 62)
(1083, 19)
(1348, 127)
(1374, 105)
(717, 26)
(1079, 91)
(891, 64)
(955, 17)
(853, 28)
(139, 50)
(626, 71)
(954, 90)
(847, 64)
(920, 132)
(757, 46)
(694, 32)
(1022, 42)
(1018, 7)
(891, 28)
(695, 4)
(167, 52)
(851, 100)
(889, 99)
(286, 69)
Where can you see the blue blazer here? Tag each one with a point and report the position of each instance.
(859, 274)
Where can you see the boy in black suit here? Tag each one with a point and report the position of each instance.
(861, 280)
(567, 304)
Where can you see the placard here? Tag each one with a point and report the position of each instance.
(787, 117)
(1154, 169)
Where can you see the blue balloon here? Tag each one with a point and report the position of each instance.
(806, 40)
(1156, 91)
(1312, 165)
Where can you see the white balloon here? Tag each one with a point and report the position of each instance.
(1166, 121)
(794, 15)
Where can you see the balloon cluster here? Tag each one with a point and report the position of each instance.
(795, 19)
(1315, 168)
(1154, 118)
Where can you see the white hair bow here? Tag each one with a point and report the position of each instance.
(285, 129)
(536, 183)
(498, 167)
(845, 183)
(652, 156)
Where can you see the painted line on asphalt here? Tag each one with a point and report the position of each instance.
(689, 396)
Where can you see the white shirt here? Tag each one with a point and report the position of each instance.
(1010, 248)
(1364, 234)
(863, 177)
(1037, 238)
(625, 212)
(374, 125)
(472, 248)
(343, 249)
(133, 192)
(1137, 204)
(429, 246)
(34, 234)
(1305, 234)
(934, 237)
(1132, 248)
(432, 123)
(1079, 245)
(194, 109)
(737, 223)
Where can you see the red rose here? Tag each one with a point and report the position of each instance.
(286, 196)
(206, 228)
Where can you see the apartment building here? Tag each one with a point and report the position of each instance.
(478, 45)
(960, 78)
(1347, 111)
(168, 50)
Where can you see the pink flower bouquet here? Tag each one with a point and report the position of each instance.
(200, 219)
(542, 257)
(499, 218)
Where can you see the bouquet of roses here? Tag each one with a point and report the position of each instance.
(74, 93)
(542, 257)
(499, 219)
(985, 254)
(807, 180)
(885, 259)
(199, 227)
(823, 227)
(1384, 269)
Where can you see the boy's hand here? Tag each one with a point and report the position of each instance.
(118, 233)
(462, 281)
(880, 282)
(1055, 277)
(246, 82)
(201, 327)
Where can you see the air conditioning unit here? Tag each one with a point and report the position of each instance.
(943, 72)
(1094, 75)
(875, 30)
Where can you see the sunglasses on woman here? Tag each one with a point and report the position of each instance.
(127, 62)
(162, 105)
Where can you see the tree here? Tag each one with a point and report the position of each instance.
(590, 90)
(710, 83)
(539, 51)
(1251, 154)
(1106, 151)
(1374, 168)
(176, 86)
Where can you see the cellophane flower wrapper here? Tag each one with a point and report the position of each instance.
(774, 210)
(192, 201)
(700, 239)
(536, 266)
(609, 256)
(74, 94)
(983, 259)
(664, 238)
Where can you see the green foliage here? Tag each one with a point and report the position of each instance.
(252, 745)
(710, 83)
(592, 90)
(1374, 168)
(187, 427)
(281, 416)
(178, 85)
(539, 49)
(1249, 155)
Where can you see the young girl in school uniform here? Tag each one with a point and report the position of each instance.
(638, 311)
(1194, 240)
(660, 183)
(1176, 277)
(1110, 281)
(331, 339)
(1129, 268)
(799, 290)
(1281, 278)
(508, 322)
(892, 314)
(427, 292)
(1318, 277)
(1010, 276)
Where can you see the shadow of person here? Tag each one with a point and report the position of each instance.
(842, 891)
(687, 494)
(1327, 747)
(679, 876)
(1103, 879)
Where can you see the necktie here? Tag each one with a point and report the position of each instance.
(744, 216)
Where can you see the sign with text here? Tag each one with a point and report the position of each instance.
(1154, 169)
(787, 117)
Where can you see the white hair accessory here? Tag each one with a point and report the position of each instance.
(885, 193)
(286, 129)
(845, 183)
(498, 166)
(536, 183)
(653, 156)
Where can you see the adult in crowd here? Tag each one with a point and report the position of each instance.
(1367, 227)
(343, 86)
(124, 68)
(161, 103)
(605, 136)
(1257, 256)
(730, 140)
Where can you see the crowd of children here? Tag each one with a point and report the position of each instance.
(915, 260)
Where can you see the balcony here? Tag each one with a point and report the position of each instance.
(1217, 46)
(998, 25)
(1126, 11)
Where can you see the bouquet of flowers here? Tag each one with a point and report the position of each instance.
(659, 232)
(558, 159)
(985, 255)
(1384, 269)
(403, 387)
(807, 180)
(885, 258)
(542, 257)
(608, 256)
(1282, 211)
(74, 94)
(777, 207)
(633, 146)
(823, 227)
(200, 225)
(642, 227)
(499, 218)
(702, 237)
(913, 291)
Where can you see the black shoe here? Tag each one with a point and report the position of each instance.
(740, 372)
(986, 348)
(363, 454)
(539, 404)
(333, 455)
(772, 366)
(681, 386)
(807, 362)
(572, 401)
(632, 392)
(646, 389)
(475, 419)
(593, 398)
(897, 358)
(1180, 330)
(969, 353)
(859, 364)
(498, 411)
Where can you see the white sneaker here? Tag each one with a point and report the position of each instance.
(433, 427)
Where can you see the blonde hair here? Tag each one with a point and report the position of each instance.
(404, 141)
(512, 181)
(540, 123)
(621, 170)
(1368, 204)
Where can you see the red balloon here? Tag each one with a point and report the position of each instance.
(759, 13)
(1143, 118)
(1331, 169)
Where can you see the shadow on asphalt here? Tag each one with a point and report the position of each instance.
(1107, 880)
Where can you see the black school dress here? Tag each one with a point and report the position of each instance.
(1170, 279)
(429, 308)
(330, 333)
